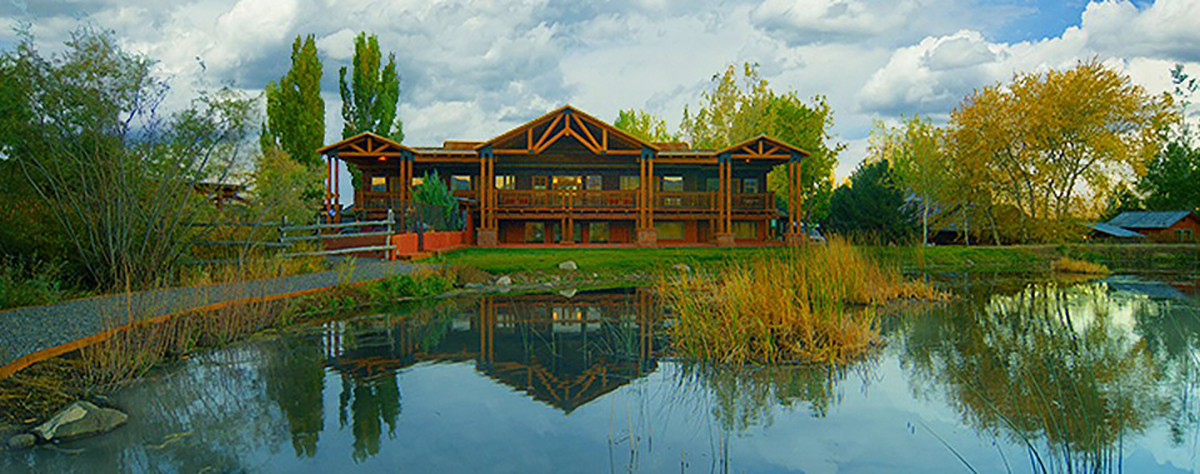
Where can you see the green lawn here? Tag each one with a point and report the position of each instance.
(613, 262)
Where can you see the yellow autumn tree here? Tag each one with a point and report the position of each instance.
(1044, 151)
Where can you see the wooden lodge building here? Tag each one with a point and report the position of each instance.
(569, 178)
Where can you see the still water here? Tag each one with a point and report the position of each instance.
(1012, 376)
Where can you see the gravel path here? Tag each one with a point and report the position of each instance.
(24, 331)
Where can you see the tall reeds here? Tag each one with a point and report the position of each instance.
(812, 303)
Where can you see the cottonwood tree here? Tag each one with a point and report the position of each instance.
(295, 109)
(1052, 145)
(645, 126)
(919, 161)
(738, 107)
(369, 98)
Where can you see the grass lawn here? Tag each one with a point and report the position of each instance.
(1007, 259)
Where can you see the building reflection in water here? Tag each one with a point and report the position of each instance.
(562, 351)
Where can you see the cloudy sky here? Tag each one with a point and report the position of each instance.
(473, 69)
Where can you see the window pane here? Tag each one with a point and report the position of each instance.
(595, 182)
(630, 183)
(598, 232)
(669, 230)
(506, 181)
(539, 183)
(566, 182)
(535, 232)
(672, 184)
(712, 185)
(378, 184)
(750, 185)
(460, 183)
(745, 230)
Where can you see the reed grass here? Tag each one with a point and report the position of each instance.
(813, 303)
(1069, 265)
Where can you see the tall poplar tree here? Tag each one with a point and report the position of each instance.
(295, 109)
(369, 99)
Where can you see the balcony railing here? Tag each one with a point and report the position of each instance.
(557, 200)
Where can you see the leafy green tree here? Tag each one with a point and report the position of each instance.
(119, 180)
(735, 109)
(1172, 179)
(919, 161)
(369, 99)
(295, 109)
(871, 206)
(1048, 148)
(644, 126)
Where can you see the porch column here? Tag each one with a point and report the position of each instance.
(724, 237)
(328, 188)
(646, 235)
(486, 235)
(793, 235)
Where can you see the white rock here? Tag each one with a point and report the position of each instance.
(504, 281)
(568, 265)
(78, 420)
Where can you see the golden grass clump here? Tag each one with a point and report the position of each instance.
(812, 303)
(1068, 265)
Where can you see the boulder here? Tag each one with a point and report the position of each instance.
(682, 267)
(568, 265)
(78, 420)
(504, 281)
(21, 441)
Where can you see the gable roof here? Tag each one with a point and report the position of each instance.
(1115, 231)
(763, 147)
(557, 114)
(1148, 219)
(366, 143)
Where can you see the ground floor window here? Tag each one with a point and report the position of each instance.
(506, 181)
(1184, 235)
(630, 183)
(535, 232)
(378, 184)
(598, 232)
(745, 230)
(460, 182)
(669, 230)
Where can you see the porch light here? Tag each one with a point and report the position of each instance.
(383, 158)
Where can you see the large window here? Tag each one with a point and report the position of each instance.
(630, 183)
(378, 184)
(747, 230)
(566, 182)
(669, 230)
(506, 181)
(1184, 235)
(672, 184)
(595, 182)
(535, 232)
(460, 182)
(540, 183)
(598, 232)
(712, 185)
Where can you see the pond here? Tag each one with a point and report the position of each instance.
(1011, 376)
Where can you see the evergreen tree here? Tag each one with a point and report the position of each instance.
(871, 206)
(295, 109)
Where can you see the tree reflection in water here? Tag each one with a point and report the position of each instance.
(1066, 370)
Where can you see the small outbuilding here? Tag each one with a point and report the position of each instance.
(1102, 231)
(1162, 226)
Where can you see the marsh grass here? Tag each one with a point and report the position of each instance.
(813, 303)
(1069, 265)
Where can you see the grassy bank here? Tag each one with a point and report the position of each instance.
(621, 263)
(36, 392)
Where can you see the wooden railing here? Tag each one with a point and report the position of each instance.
(669, 201)
(379, 201)
(562, 199)
(754, 202)
(554, 200)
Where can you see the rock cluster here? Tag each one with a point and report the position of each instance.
(77, 420)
